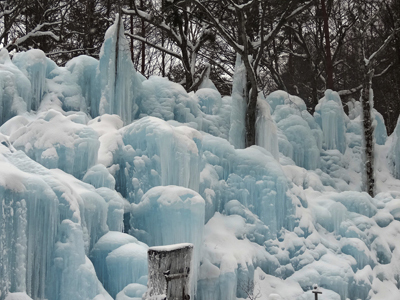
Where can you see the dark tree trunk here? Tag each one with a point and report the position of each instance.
(368, 178)
(143, 43)
(131, 23)
(328, 60)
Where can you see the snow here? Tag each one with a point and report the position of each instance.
(96, 167)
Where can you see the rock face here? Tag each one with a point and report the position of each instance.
(170, 269)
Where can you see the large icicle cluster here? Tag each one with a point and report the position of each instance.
(97, 163)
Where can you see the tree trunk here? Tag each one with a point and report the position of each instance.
(143, 43)
(252, 94)
(328, 61)
(368, 176)
(131, 23)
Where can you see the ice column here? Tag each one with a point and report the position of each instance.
(118, 79)
(238, 113)
(34, 64)
(330, 116)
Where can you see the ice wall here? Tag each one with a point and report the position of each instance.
(302, 137)
(83, 70)
(35, 66)
(393, 155)
(266, 131)
(252, 176)
(155, 153)
(42, 257)
(118, 80)
(15, 88)
(56, 140)
(330, 116)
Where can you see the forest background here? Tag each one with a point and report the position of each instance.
(302, 47)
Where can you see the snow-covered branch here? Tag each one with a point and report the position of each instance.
(381, 48)
(163, 49)
(38, 32)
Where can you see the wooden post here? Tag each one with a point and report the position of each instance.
(169, 272)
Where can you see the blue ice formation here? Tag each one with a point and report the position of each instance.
(15, 88)
(119, 259)
(393, 157)
(238, 111)
(331, 118)
(118, 80)
(36, 67)
(380, 131)
(91, 150)
(53, 215)
(301, 138)
(84, 70)
(57, 141)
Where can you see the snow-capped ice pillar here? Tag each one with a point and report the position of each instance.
(330, 116)
(84, 70)
(393, 155)
(118, 77)
(28, 225)
(238, 112)
(34, 64)
(15, 88)
(266, 135)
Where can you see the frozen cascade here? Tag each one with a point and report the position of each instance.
(28, 227)
(99, 176)
(266, 135)
(36, 67)
(73, 275)
(105, 245)
(380, 131)
(204, 110)
(252, 176)
(116, 208)
(238, 111)
(126, 264)
(155, 153)
(57, 141)
(393, 155)
(119, 82)
(15, 88)
(51, 261)
(330, 116)
(302, 136)
(78, 201)
(84, 70)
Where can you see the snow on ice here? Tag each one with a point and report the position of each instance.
(98, 163)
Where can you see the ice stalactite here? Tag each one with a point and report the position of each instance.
(36, 66)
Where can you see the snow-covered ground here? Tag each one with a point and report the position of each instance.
(96, 166)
